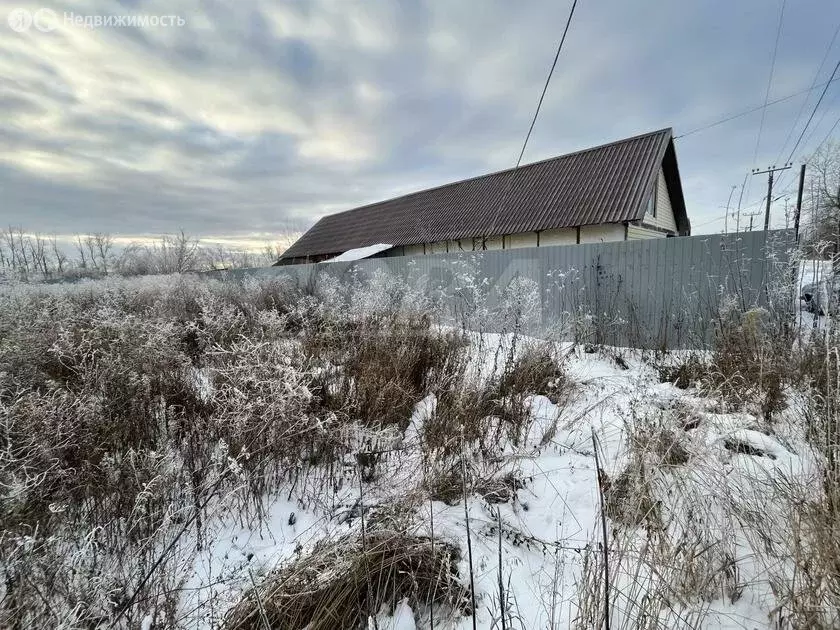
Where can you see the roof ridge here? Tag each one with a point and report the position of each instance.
(668, 130)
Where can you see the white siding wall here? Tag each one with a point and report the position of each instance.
(634, 232)
(526, 239)
(601, 233)
(563, 236)
(664, 213)
(493, 242)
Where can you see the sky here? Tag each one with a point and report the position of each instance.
(249, 120)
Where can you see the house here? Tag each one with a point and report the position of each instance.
(629, 189)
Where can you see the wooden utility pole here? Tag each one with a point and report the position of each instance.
(770, 171)
(752, 215)
(799, 202)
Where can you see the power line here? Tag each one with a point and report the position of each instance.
(825, 138)
(536, 114)
(767, 91)
(547, 81)
(708, 222)
(828, 135)
(814, 129)
(813, 83)
(769, 80)
(814, 111)
(752, 110)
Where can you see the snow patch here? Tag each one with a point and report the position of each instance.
(360, 253)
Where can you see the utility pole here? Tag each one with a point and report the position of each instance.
(799, 202)
(770, 171)
(752, 215)
(726, 219)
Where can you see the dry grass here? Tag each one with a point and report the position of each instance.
(750, 367)
(376, 369)
(342, 582)
(126, 409)
(125, 413)
(494, 412)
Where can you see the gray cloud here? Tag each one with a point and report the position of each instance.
(257, 117)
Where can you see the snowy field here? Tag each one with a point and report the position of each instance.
(192, 454)
(551, 523)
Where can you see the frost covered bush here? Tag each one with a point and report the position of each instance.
(492, 412)
(375, 369)
(343, 581)
(751, 365)
(126, 409)
(751, 361)
(134, 411)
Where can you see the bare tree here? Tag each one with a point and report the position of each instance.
(11, 248)
(822, 230)
(38, 254)
(104, 244)
(182, 250)
(25, 258)
(19, 251)
(59, 255)
(81, 248)
(215, 257)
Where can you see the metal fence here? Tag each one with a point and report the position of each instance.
(656, 293)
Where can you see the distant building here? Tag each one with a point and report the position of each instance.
(625, 190)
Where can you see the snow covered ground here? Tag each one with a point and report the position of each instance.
(551, 530)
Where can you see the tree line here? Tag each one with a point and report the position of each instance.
(32, 256)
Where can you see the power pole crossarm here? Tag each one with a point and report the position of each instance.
(751, 215)
(770, 171)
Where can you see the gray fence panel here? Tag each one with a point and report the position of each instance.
(654, 293)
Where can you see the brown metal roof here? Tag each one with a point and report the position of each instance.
(605, 184)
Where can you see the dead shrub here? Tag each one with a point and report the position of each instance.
(810, 595)
(684, 372)
(629, 497)
(343, 581)
(375, 370)
(536, 370)
(120, 419)
(495, 413)
(448, 486)
(751, 363)
(655, 448)
(659, 444)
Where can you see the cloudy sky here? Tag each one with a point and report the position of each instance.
(257, 117)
